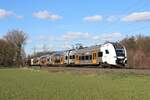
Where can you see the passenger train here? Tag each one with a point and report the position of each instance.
(113, 54)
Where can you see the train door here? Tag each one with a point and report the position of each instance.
(94, 57)
(77, 60)
(62, 60)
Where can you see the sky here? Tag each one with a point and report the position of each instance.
(60, 24)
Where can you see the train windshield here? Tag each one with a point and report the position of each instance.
(120, 52)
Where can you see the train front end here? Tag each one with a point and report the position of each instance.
(114, 54)
(121, 55)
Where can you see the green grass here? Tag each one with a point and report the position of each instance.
(21, 84)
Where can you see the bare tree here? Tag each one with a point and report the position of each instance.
(18, 39)
(7, 53)
(138, 50)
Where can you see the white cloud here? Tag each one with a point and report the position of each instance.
(44, 47)
(108, 36)
(111, 18)
(95, 18)
(39, 47)
(4, 13)
(95, 37)
(75, 35)
(45, 38)
(63, 41)
(46, 15)
(111, 36)
(71, 36)
(137, 17)
(41, 38)
(19, 17)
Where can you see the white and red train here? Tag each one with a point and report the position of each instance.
(107, 54)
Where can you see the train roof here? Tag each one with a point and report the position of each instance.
(45, 56)
(116, 44)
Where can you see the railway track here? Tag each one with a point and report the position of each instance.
(91, 70)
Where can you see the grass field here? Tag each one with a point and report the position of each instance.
(25, 84)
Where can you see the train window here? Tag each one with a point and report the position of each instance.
(86, 57)
(66, 57)
(82, 57)
(90, 57)
(107, 52)
(73, 57)
(100, 54)
(70, 57)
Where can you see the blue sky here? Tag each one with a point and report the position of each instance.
(58, 24)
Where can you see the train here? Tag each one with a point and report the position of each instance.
(107, 54)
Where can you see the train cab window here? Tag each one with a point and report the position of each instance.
(100, 54)
(107, 52)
